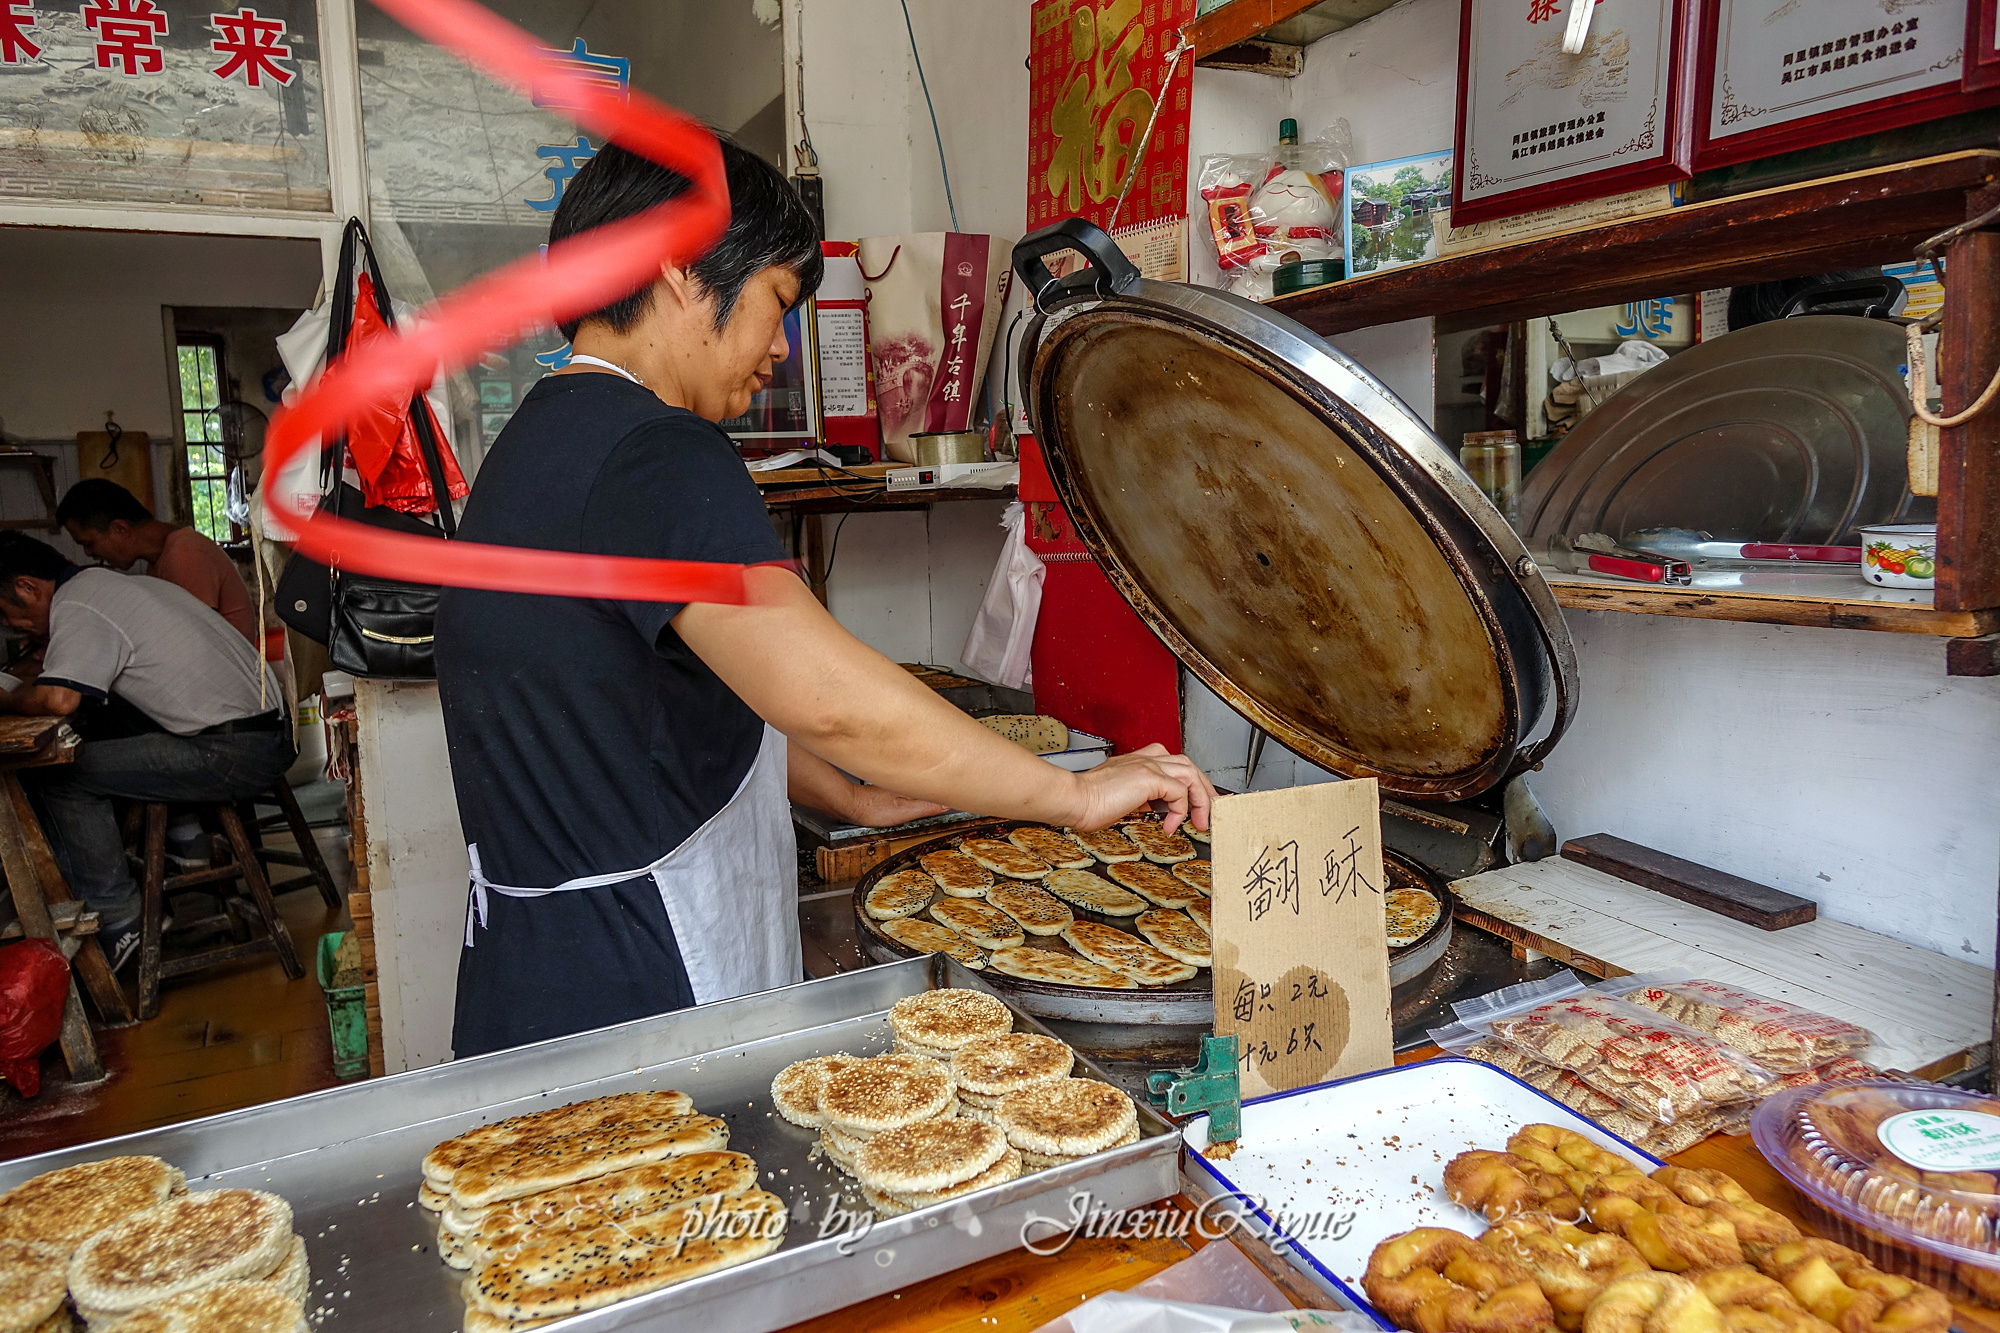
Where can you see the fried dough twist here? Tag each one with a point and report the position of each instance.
(1716, 1193)
(1567, 1155)
(1673, 1236)
(1653, 1303)
(1753, 1303)
(1570, 1265)
(1497, 1185)
(1434, 1280)
(1845, 1290)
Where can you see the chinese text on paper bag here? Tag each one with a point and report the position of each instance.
(1301, 949)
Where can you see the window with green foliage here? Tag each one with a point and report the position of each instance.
(201, 423)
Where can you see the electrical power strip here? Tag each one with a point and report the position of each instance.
(934, 476)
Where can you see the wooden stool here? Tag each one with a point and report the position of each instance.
(246, 865)
(308, 856)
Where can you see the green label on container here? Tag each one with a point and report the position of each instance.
(1943, 1140)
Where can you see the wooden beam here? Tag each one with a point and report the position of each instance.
(1810, 612)
(1863, 217)
(1973, 657)
(1239, 21)
(1968, 574)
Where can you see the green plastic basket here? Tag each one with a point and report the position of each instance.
(346, 1013)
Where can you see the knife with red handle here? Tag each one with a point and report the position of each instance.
(1832, 555)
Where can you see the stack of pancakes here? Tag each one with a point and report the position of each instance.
(1061, 1120)
(122, 1239)
(161, 1268)
(871, 1097)
(990, 1068)
(938, 1023)
(578, 1207)
(901, 1170)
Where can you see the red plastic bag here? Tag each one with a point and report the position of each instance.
(387, 455)
(34, 986)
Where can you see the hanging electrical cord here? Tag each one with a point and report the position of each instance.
(943, 170)
(1920, 393)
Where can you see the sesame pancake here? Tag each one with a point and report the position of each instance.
(1155, 884)
(831, 1148)
(1199, 835)
(795, 1091)
(431, 1198)
(1113, 948)
(948, 1018)
(1057, 967)
(1203, 913)
(626, 1108)
(590, 1269)
(1196, 875)
(904, 893)
(293, 1275)
(226, 1307)
(1176, 935)
(934, 1155)
(1411, 911)
(530, 1168)
(33, 1282)
(1067, 1118)
(613, 1198)
(929, 937)
(478, 1321)
(1002, 1171)
(885, 1093)
(1004, 858)
(956, 873)
(991, 1067)
(192, 1241)
(1158, 844)
(1039, 911)
(1107, 845)
(987, 927)
(1034, 1161)
(69, 1206)
(1093, 893)
(1058, 849)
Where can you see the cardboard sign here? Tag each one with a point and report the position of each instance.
(1301, 944)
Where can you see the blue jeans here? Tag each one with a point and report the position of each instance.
(75, 800)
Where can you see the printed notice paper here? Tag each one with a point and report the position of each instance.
(1301, 944)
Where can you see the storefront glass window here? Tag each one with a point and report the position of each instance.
(184, 102)
(464, 175)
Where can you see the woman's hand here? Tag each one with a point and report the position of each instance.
(1129, 782)
(878, 807)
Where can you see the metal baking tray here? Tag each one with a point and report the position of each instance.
(1325, 1174)
(348, 1159)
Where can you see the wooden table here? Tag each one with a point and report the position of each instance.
(1017, 1292)
(36, 885)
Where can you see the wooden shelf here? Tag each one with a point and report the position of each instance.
(1220, 36)
(1848, 221)
(823, 490)
(1778, 597)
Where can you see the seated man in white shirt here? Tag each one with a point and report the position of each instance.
(222, 730)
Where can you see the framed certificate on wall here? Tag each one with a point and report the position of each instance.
(1783, 74)
(1538, 127)
(1982, 44)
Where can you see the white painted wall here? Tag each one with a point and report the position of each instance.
(1746, 747)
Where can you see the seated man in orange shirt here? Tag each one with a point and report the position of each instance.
(113, 527)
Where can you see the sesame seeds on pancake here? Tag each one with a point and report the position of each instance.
(1113, 948)
(68, 1206)
(1004, 858)
(1058, 849)
(1177, 935)
(990, 1067)
(884, 1093)
(903, 893)
(929, 1156)
(1034, 1161)
(529, 1168)
(1155, 884)
(956, 873)
(795, 1091)
(948, 1018)
(1068, 1117)
(1107, 845)
(185, 1243)
(626, 1108)
(1203, 913)
(930, 937)
(1038, 911)
(225, 1307)
(1158, 844)
(985, 925)
(32, 1282)
(1093, 893)
(1199, 875)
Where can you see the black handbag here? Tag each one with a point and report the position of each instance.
(371, 626)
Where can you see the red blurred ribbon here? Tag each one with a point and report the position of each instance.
(576, 276)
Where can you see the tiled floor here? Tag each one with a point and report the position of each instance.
(230, 1037)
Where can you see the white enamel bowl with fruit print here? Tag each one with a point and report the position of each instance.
(1900, 555)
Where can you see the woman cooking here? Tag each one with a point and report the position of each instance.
(623, 768)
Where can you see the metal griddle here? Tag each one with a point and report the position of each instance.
(1291, 529)
(1189, 1003)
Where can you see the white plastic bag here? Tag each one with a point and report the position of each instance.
(1003, 632)
(1124, 1312)
(1275, 209)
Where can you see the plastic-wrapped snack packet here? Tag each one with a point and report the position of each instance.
(1654, 1066)
(1551, 1081)
(1778, 1035)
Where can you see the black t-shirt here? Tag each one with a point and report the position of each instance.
(585, 737)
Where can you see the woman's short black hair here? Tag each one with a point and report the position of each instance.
(769, 225)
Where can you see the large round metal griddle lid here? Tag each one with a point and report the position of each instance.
(1290, 529)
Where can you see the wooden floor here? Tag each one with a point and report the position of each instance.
(230, 1037)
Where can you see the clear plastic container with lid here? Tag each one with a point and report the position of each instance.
(1906, 1173)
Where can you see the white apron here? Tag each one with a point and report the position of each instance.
(731, 890)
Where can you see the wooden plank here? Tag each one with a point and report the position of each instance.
(1240, 21)
(1973, 657)
(1740, 899)
(25, 735)
(791, 476)
(1845, 221)
(1578, 593)
(1922, 1007)
(843, 862)
(1968, 574)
